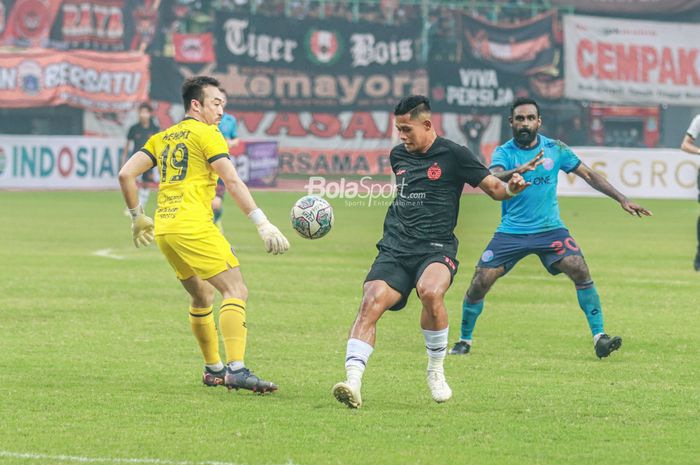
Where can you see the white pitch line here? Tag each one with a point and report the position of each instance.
(107, 253)
(79, 459)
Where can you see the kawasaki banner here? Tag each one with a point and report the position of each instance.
(311, 65)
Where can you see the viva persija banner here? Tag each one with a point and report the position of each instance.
(496, 62)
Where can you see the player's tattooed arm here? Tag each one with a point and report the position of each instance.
(505, 176)
(599, 183)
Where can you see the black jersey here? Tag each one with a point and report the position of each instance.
(140, 135)
(428, 188)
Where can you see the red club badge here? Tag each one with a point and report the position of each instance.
(434, 172)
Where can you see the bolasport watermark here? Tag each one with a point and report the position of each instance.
(363, 192)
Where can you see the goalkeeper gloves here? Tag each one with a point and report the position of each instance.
(141, 227)
(275, 242)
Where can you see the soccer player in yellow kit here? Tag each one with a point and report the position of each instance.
(191, 155)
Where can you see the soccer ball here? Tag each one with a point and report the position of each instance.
(312, 217)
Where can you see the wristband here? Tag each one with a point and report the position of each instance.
(257, 216)
(136, 211)
(508, 191)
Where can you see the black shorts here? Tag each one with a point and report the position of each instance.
(402, 271)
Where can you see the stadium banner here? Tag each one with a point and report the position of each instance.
(473, 87)
(257, 162)
(28, 22)
(319, 46)
(526, 47)
(639, 173)
(85, 79)
(103, 25)
(646, 7)
(316, 65)
(631, 62)
(58, 162)
(332, 161)
(494, 63)
(349, 143)
(194, 48)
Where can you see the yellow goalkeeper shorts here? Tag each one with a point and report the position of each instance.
(205, 255)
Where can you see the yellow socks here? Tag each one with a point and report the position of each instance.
(204, 330)
(233, 329)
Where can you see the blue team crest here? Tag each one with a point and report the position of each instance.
(547, 163)
(487, 256)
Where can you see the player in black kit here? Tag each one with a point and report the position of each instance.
(419, 247)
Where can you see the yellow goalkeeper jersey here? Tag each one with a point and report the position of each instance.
(183, 154)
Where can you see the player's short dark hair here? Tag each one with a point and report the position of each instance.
(223, 91)
(413, 104)
(193, 87)
(146, 106)
(524, 101)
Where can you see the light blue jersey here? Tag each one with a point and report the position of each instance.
(536, 209)
(228, 126)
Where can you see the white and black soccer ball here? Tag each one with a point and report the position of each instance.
(312, 217)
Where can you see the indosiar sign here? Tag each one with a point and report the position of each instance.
(58, 162)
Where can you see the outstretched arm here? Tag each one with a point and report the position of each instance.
(275, 242)
(498, 190)
(689, 146)
(234, 185)
(505, 176)
(599, 183)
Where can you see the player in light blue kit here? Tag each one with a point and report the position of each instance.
(228, 126)
(530, 224)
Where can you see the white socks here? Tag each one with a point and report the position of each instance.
(596, 337)
(436, 346)
(236, 365)
(216, 367)
(356, 357)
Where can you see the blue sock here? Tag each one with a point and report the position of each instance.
(470, 312)
(590, 304)
(217, 214)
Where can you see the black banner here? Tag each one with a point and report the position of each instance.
(493, 64)
(313, 45)
(315, 65)
(475, 87)
(523, 48)
(104, 25)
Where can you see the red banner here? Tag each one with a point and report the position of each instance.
(84, 79)
(29, 22)
(346, 162)
(194, 48)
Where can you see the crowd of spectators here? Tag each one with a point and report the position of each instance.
(194, 14)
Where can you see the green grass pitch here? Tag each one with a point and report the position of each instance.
(97, 363)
